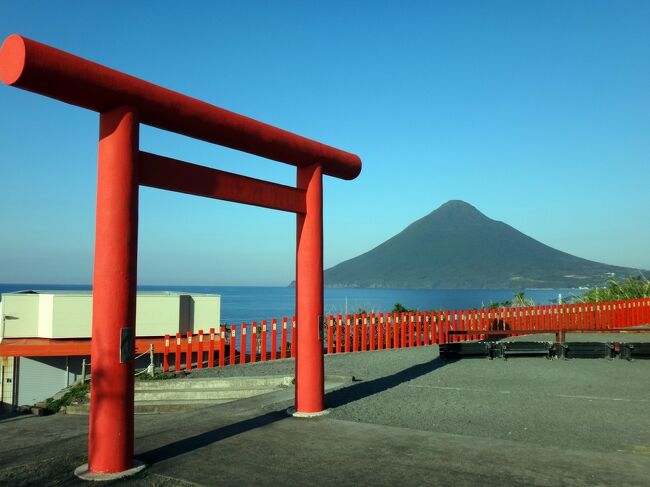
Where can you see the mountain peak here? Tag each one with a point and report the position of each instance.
(457, 206)
(456, 211)
(457, 246)
(451, 204)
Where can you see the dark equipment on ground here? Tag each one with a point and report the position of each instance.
(549, 350)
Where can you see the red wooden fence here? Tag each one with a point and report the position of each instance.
(381, 331)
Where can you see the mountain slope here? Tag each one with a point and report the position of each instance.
(456, 246)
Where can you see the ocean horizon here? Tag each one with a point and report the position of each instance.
(255, 303)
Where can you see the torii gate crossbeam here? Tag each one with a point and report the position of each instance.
(124, 102)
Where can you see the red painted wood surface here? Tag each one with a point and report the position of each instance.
(183, 177)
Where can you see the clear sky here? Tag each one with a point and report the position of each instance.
(535, 112)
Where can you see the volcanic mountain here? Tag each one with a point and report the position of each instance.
(457, 246)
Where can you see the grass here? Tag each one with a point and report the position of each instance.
(630, 288)
(77, 393)
(519, 300)
(156, 376)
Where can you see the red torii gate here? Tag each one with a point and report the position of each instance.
(124, 102)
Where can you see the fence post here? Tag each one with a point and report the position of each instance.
(294, 341)
(396, 332)
(380, 331)
(243, 345)
(177, 353)
(83, 370)
(233, 344)
(418, 329)
(222, 346)
(263, 347)
(448, 325)
(573, 316)
(274, 338)
(347, 333)
(150, 369)
(330, 334)
(188, 352)
(423, 326)
(166, 355)
(453, 325)
(463, 325)
(426, 327)
(211, 349)
(339, 332)
(254, 342)
(355, 331)
(364, 332)
(199, 352)
(372, 330)
(283, 344)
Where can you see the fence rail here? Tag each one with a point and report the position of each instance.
(249, 343)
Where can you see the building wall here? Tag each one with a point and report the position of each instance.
(6, 383)
(71, 316)
(20, 316)
(39, 378)
(207, 313)
(66, 315)
(156, 313)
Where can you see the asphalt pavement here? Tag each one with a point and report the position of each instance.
(409, 418)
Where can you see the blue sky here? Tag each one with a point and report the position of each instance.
(537, 113)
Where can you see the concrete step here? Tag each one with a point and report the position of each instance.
(157, 407)
(261, 399)
(214, 383)
(193, 393)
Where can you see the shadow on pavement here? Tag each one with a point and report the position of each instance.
(204, 439)
(333, 399)
(346, 395)
(12, 417)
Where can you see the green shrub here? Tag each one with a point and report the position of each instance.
(519, 300)
(156, 376)
(614, 290)
(77, 393)
(399, 308)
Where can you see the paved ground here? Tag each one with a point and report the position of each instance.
(410, 419)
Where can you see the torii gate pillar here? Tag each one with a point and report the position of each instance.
(110, 435)
(309, 293)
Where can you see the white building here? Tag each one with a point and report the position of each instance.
(45, 335)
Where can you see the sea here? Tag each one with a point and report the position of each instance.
(249, 303)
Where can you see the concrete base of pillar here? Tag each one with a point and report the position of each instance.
(83, 473)
(296, 414)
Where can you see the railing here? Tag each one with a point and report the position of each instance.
(231, 345)
(149, 369)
